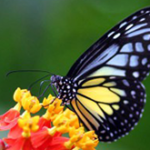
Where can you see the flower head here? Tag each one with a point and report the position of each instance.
(44, 132)
(31, 104)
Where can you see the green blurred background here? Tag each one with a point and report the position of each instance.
(50, 35)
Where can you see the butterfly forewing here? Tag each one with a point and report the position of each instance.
(124, 51)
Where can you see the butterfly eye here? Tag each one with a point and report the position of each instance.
(55, 78)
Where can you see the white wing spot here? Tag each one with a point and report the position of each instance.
(133, 120)
(132, 108)
(136, 74)
(134, 17)
(123, 24)
(115, 118)
(148, 66)
(144, 61)
(108, 128)
(111, 33)
(119, 60)
(136, 27)
(134, 61)
(124, 129)
(142, 19)
(142, 11)
(68, 87)
(130, 115)
(146, 37)
(126, 102)
(138, 32)
(133, 92)
(116, 36)
(148, 47)
(127, 48)
(125, 82)
(103, 131)
(111, 134)
(147, 11)
(126, 121)
(122, 123)
(122, 112)
(138, 87)
(129, 26)
(139, 47)
(137, 113)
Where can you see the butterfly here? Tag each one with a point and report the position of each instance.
(104, 85)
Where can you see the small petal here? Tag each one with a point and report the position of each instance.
(31, 104)
(9, 119)
(44, 123)
(2, 145)
(19, 94)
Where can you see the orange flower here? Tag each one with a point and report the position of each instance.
(43, 139)
(28, 132)
(20, 143)
(2, 145)
(9, 119)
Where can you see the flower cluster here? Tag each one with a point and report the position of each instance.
(28, 131)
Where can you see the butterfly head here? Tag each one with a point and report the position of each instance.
(66, 87)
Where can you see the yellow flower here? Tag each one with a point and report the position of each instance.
(47, 101)
(55, 108)
(64, 121)
(19, 94)
(28, 123)
(82, 140)
(31, 104)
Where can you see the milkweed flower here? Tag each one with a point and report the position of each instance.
(28, 131)
(2, 145)
(9, 119)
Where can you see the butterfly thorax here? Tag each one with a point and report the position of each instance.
(66, 88)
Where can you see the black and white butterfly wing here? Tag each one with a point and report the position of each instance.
(111, 106)
(123, 51)
(118, 62)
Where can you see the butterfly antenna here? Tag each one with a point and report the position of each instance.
(38, 81)
(16, 71)
(41, 85)
(44, 90)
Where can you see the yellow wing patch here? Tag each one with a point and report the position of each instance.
(80, 115)
(118, 91)
(107, 109)
(100, 94)
(116, 107)
(108, 71)
(88, 116)
(110, 84)
(91, 82)
(91, 106)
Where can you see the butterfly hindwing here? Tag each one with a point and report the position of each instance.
(111, 106)
(123, 51)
